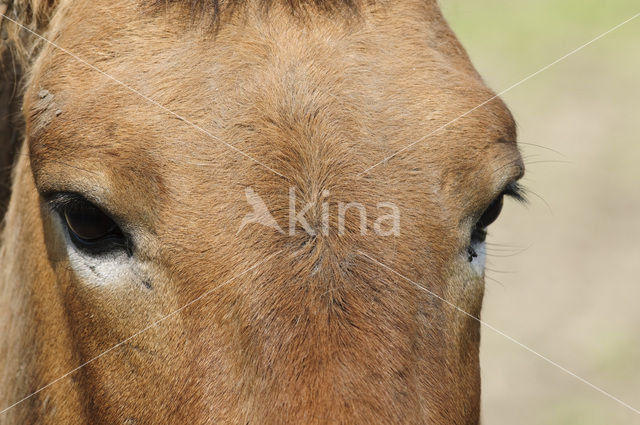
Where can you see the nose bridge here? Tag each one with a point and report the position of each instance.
(311, 343)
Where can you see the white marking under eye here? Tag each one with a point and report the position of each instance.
(109, 269)
(478, 263)
(100, 270)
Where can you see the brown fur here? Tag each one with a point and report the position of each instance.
(315, 333)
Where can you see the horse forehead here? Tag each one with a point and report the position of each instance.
(158, 56)
(193, 74)
(189, 95)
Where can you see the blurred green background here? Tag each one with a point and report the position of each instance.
(564, 272)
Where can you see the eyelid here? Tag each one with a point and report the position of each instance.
(58, 201)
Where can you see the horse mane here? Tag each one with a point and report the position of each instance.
(216, 6)
(17, 47)
(10, 123)
(212, 11)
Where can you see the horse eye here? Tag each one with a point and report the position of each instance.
(88, 222)
(90, 229)
(492, 213)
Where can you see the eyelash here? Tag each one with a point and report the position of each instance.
(513, 190)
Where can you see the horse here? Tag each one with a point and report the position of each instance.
(196, 229)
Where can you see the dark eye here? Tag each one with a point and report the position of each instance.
(90, 229)
(492, 213)
(489, 216)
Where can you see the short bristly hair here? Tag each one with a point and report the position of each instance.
(214, 9)
(35, 15)
(216, 6)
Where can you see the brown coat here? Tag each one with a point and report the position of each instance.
(292, 329)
